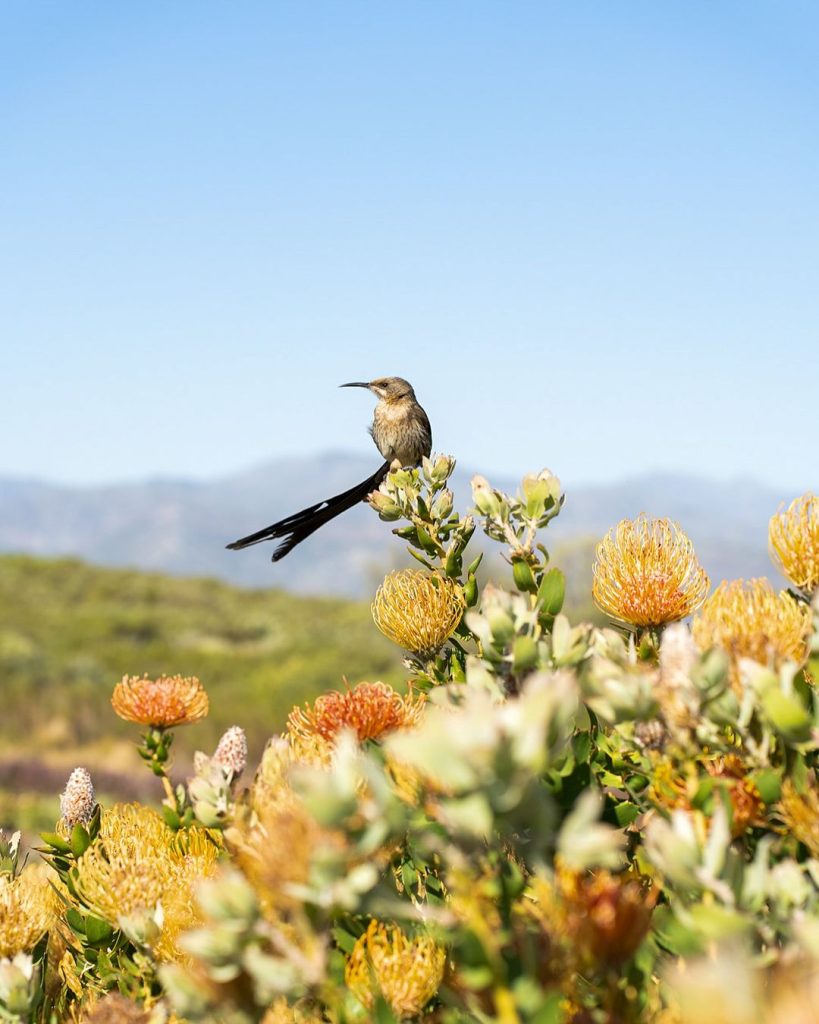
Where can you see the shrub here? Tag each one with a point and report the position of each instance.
(556, 821)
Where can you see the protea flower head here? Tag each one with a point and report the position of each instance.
(371, 710)
(163, 702)
(751, 620)
(607, 915)
(141, 875)
(793, 537)
(418, 610)
(26, 910)
(646, 573)
(406, 971)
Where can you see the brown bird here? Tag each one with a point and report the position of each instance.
(402, 434)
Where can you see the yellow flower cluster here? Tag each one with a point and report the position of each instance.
(163, 702)
(646, 573)
(138, 863)
(26, 910)
(793, 536)
(418, 610)
(406, 971)
(751, 620)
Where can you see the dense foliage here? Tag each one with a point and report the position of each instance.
(555, 822)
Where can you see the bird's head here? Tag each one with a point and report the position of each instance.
(387, 389)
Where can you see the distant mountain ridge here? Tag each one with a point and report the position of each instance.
(182, 526)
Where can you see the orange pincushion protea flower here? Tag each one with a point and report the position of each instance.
(793, 536)
(371, 710)
(163, 702)
(646, 573)
(606, 915)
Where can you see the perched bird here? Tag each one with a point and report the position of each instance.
(402, 434)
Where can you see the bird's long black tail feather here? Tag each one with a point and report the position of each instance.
(295, 528)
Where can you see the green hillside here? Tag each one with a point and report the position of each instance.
(69, 631)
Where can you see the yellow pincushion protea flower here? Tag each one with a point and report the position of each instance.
(137, 863)
(793, 537)
(406, 971)
(646, 573)
(163, 702)
(26, 910)
(418, 610)
(751, 620)
(371, 710)
(800, 814)
(281, 1012)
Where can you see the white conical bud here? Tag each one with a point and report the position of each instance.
(77, 802)
(231, 752)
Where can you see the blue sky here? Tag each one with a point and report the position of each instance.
(586, 232)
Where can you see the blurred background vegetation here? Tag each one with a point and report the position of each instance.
(69, 631)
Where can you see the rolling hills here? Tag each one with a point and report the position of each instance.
(181, 526)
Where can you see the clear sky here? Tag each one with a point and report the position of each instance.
(588, 233)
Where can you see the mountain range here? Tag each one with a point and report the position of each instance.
(181, 526)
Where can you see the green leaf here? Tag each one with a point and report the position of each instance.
(522, 574)
(80, 840)
(582, 746)
(409, 876)
(473, 568)
(426, 542)
(75, 920)
(419, 557)
(551, 592)
(55, 842)
(524, 653)
(344, 940)
(788, 715)
(768, 784)
(626, 813)
(97, 930)
(171, 817)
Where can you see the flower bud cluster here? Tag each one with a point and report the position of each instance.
(437, 535)
(211, 790)
(516, 520)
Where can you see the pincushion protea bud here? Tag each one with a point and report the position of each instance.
(793, 536)
(646, 573)
(751, 620)
(231, 751)
(163, 702)
(407, 972)
(417, 610)
(77, 802)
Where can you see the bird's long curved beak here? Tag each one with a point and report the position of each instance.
(355, 384)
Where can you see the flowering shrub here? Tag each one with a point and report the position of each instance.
(554, 823)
